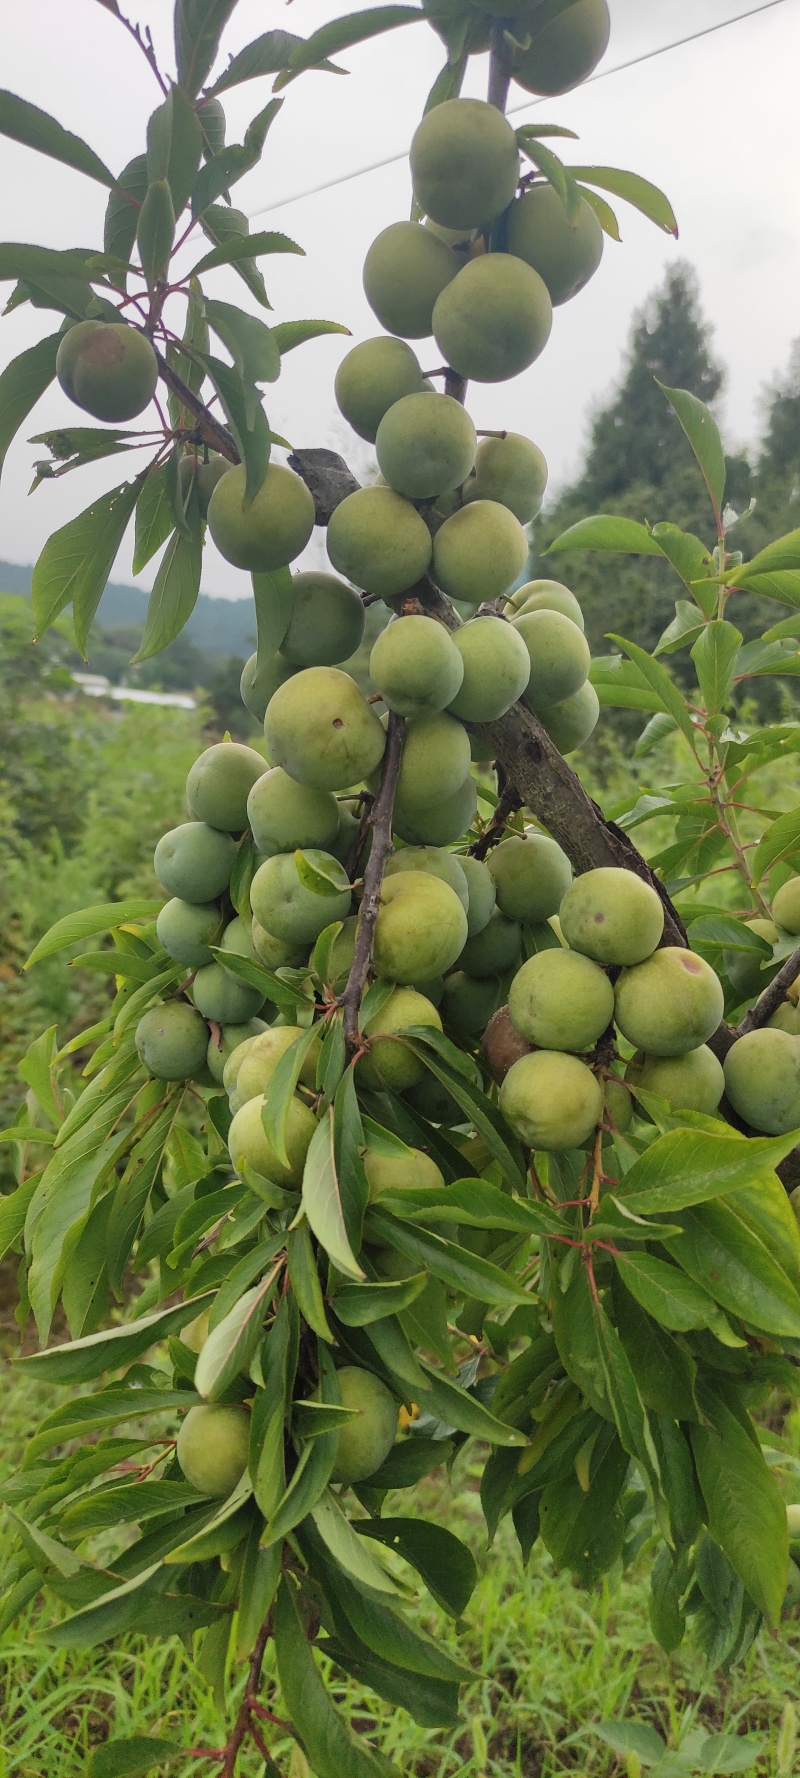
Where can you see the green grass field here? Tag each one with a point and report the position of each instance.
(550, 1661)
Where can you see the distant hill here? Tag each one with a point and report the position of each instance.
(216, 626)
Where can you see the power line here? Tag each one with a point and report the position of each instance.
(649, 55)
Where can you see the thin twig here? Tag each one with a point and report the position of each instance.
(145, 41)
(508, 804)
(380, 820)
(772, 997)
(242, 1725)
(211, 431)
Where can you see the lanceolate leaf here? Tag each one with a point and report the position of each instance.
(21, 384)
(280, 1091)
(635, 190)
(175, 588)
(455, 1407)
(26, 123)
(332, 1749)
(244, 246)
(83, 1359)
(703, 434)
(557, 175)
(288, 334)
(265, 55)
(603, 211)
(246, 419)
(122, 210)
(199, 25)
(77, 559)
(459, 1269)
(689, 1166)
(343, 33)
(620, 536)
(665, 690)
(322, 1198)
(746, 1513)
(231, 1344)
(133, 1757)
(447, 1567)
(154, 513)
(250, 341)
(88, 921)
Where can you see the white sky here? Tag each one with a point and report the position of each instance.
(716, 123)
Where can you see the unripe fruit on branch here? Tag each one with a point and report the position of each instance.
(257, 684)
(416, 666)
(560, 1000)
(692, 1082)
(212, 1447)
(225, 998)
(464, 163)
(494, 319)
(496, 669)
(670, 1004)
(435, 761)
(108, 369)
(544, 595)
(231, 1038)
(187, 930)
(406, 269)
(326, 623)
(551, 1100)
(274, 952)
(378, 540)
(236, 941)
(565, 254)
(478, 552)
(394, 1172)
(371, 378)
(559, 656)
(322, 731)
(387, 1062)
(284, 814)
(512, 470)
(425, 445)
(194, 861)
(281, 902)
(566, 49)
(250, 1067)
(481, 891)
(613, 916)
(439, 822)
(421, 927)
(531, 876)
(432, 861)
(270, 530)
(762, 1080)
(617, 1105)
(469, 1002)
(199, 478)
(786, 1018)
(363, 1444)
(573, 720)
(220, 782)
(786, 906)
(172, 1041)
(247, 1141)
(493, 950)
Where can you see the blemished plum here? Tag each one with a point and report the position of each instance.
(248, 1143)
(565, 253)
(564, 50)
(225, 998)
(257, 684)
(441, 821)
(560, 1000)
(493, 950)
(220, 782)
(762, 1080)
(228, 1039)
(406, 269)
(692, 1082)
(281, 902)
(284, 814)
(171, 1040)
(188, 929)
(464, 163)
(194, 862)
(416, 666)
(326, 623)
(531, 876)
(613, 916)
(496, 669)
(379, 541)
(415, 1171)
(270, 530)
(502, 1045)
(434, 862)
(786, 906)
(421, 927)
(551, 1100)
(108, 369)
(371, 378)
(512, 470)
(322, 731)
(544, 595)
(481, 891)
(364, 1443)
(425, 445)
(212, 1447)
(559, 656)
(387, 1062)
(494, 319)
(570, 723)
(671, 1003)
(479, 551)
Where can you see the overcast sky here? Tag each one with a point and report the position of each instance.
(716, 123)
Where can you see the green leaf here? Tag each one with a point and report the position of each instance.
(635, 190)
(26, 123)
(305, 1281)
(690, 1166)
(332, 1749)
(691, 560)
(37, 1070)
(13, 1211)
(250, 341)
(122, 209)
(663, 1369)
(231, 1345)
(702, 432)
(447, 1567)
(782, 555)
(320, 881)
(667, 1294)
(625, 1399)
(154, 513)
(198, 26)
(607, 532)
(241, 246)
(603, 211)
(635, 1738)
(45, 1552)
(473, 1203)
(230, 164)
(174, 146)
(410, 1460)
(281, 1089)
(730, 1753)
(273, 594)
(785, 588)
(87, 921)
(462, 1271)
(155, 232)
(267, 54)
(556, 174)
(723, 1249)
(357, 1305)
(428, 1044)
(780, 844)
(77, 559)
(657, 677)
(619, 683)
(22, 382)
(455, 1407)
(80, 1360)
(312, 1418)
(346, 1548)
(175, 588)
(130, 1503)
(135, 1605)
(322, 1198)
(221, 223)
(746, 1513)
(131, 1757)
(288, 334)
(343, 33)
(246, 419)
(715, 655)
(389, 1636)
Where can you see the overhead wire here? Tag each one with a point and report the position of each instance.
(602, 74)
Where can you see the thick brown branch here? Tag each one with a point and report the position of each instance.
(772, 997)
(508, 804)
(211, 431)
(380, 820)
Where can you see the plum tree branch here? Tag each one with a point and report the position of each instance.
(242, 1725)
(211, 430)
(380, 820)
(508, 803)
(772, 997)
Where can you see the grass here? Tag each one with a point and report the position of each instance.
(550, 1661)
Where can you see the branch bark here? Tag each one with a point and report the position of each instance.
(242, 1724)
(772, 997)
(211, 430)
(380, 820)
(508, 804)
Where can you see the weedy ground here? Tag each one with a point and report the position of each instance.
(550, 1661)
